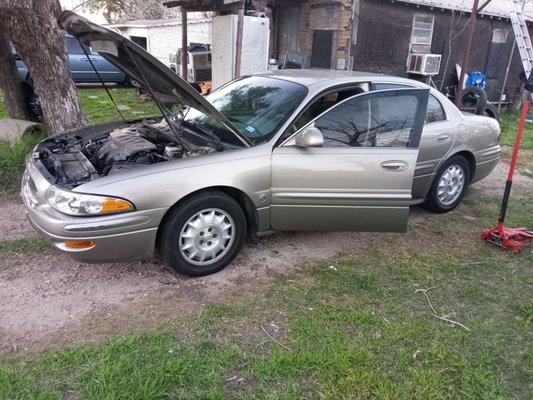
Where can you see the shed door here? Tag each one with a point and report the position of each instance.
(288, 29)
(322, 48)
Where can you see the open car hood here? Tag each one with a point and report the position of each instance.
(168, 87)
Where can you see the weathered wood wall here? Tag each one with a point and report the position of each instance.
(384, 31)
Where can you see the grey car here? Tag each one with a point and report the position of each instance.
(285, 150)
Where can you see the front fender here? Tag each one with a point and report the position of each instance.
(162, 185)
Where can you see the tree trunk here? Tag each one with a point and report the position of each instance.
(10, 82)
(32, 26)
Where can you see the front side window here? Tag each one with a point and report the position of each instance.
(322, 104)
(258, 106)
(381, 119)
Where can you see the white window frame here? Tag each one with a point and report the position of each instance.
(424, 26)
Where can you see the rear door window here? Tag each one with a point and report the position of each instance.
(435, 111)
(384, 119)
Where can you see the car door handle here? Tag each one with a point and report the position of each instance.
(394, 166)
(443, 138)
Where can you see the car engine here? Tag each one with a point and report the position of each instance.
(72, 161)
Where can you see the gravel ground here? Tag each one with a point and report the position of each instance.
(48, 301)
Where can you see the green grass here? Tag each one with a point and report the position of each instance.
(350, 328)
(12, 156)
(17, 247)
(97, 108)
(3, 110)
(509, 125)
(356, 331)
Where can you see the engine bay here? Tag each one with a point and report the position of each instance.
(75, 159)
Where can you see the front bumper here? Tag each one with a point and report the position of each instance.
(117, 237)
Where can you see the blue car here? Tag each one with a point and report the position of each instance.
(81, 68)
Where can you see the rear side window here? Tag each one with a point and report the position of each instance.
(435, 111)
(384, 119)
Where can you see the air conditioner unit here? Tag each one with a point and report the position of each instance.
(423, 64)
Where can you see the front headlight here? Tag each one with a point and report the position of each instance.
(79, 204)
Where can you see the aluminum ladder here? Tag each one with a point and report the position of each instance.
(523, 41)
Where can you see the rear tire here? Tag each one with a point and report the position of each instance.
(203, 235)
(449, 185)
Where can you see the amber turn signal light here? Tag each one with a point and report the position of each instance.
(115, 205)
(79, 244)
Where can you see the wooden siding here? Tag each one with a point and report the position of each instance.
(384, 31)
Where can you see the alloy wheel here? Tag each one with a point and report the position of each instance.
(451, 184)
(207, 236)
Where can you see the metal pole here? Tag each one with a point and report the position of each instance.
(506, 75)
(349, 64)
(469, 37)
(238, 44)
(184, 46)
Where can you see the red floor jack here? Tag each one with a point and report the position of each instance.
(510, 238)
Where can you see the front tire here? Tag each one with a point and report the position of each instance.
(449, 186)
(203, 235)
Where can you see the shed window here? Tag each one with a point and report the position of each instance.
(422, 29)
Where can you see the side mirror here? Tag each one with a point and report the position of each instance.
(310, 137)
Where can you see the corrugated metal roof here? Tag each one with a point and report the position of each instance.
(194, 18)
(496, 8)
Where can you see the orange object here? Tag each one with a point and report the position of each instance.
(115, 206)
(510, 238)
(206, 87)
(79, 244)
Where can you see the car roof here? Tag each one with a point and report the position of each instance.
(330, 77)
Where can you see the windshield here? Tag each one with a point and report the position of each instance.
(258, 106)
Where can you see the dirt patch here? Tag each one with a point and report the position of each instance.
(13, 224)
(494, 184)
(50, 301)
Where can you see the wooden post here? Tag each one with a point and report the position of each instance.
(238, 44)
(466, 55)
(469, 36)
(184, 46)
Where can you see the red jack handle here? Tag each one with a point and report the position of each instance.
(516, 148)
